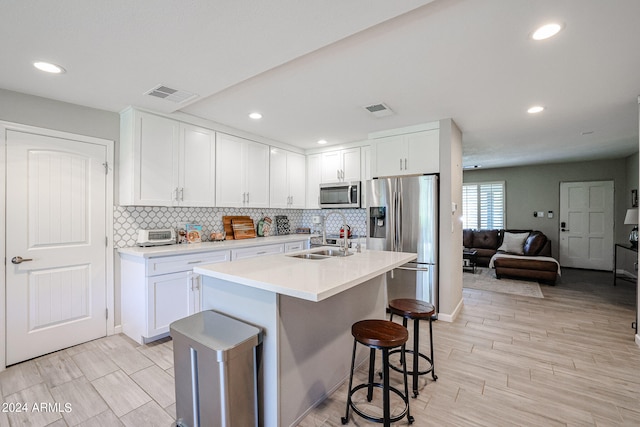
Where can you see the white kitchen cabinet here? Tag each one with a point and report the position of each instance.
(296, 246)
(365, 173)
(158, 291)
(314, 178)
(287, 179)
(242, 172)
(164, 162)
(340, 165)
(256, 251)
(196, 167)
(407, 154)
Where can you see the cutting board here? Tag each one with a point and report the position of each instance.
(228, 229)
(243, 229)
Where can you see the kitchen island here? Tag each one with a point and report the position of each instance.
(305, 308)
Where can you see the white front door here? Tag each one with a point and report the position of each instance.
(586, 225)
(56, 222)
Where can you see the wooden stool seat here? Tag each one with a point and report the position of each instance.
(382, 335)
(379, 333)
(412, 308)
(415, 310)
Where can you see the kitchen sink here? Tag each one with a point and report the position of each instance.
(331, 252)
(309, 256)
(322, 254)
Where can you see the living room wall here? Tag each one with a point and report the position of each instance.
(537, 188)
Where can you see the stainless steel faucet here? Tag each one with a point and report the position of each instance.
(344, 244)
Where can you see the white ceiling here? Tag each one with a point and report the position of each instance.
(310, 67)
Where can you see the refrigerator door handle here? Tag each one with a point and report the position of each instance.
(413, 269)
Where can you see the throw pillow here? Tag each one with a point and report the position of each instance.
(513, 243)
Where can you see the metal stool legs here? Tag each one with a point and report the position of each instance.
(386, 419)
(415, 372)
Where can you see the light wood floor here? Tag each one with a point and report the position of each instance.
(568, 359)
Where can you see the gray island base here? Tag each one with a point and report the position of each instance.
(305, 309)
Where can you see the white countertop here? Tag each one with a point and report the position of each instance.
(309, 279)
(168, 250)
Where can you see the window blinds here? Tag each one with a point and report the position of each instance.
(483, 205)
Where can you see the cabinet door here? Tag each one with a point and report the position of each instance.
(331, 167)
(155, 171)
(314, 174)
(257, 175)
(389, 156)
(197, 167)
(351, 164)
(365, 173)
(256, 251)
(296, 172)
(169, 298)
(229, 171)
(279, 188)
(423, 154)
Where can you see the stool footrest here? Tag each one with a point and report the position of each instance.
(371, 417)
(399, 368)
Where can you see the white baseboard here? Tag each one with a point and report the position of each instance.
(451, 317)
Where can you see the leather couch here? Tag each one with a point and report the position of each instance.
(486, 243)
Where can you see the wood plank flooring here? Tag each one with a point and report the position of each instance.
(566, 360)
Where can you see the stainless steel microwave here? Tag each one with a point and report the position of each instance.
(340, 195)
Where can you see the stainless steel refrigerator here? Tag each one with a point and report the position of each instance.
(402, 216)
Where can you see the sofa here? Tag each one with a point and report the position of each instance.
(523, 254)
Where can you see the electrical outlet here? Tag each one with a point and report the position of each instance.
(540, 214)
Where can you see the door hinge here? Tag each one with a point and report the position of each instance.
(106, 313)
(106, 241)
(106, 168)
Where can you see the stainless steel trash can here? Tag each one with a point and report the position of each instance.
(216, 370)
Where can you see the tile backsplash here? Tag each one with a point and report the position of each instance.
(127, 220)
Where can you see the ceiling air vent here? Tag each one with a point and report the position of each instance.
(173, 95)
(379, 110)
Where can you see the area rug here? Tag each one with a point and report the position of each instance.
(485, 279)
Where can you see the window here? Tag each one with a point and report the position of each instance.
(483, 205)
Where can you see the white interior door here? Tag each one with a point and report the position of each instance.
(56, 222)
(586, 224)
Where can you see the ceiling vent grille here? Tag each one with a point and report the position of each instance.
(379, 110)
(173, 95)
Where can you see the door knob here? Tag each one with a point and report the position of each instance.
(20, 260)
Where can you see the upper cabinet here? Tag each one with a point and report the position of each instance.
(407, 154)
(314, 177)
(164, 162)
(242, 172)
(287, 179)
(340, 165)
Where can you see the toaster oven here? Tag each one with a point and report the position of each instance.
(163, 236)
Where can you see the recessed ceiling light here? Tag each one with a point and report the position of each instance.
(49, 67)
(255, 116)
(546, 31)
(535, 109)
(322, 141)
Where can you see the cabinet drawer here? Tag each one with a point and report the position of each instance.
(256, 251)
(295, 246)
(176, 263)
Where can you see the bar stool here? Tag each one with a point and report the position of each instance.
(379, 335)
(414, 309)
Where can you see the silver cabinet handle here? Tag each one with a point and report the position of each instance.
(412, 269)
(400, 164)
(247, 197)
(20, 260)
(244, 197)
(338, 174)
(405, 163)
(176, 197)
(182, 194)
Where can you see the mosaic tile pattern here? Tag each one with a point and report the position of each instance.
(127, 220)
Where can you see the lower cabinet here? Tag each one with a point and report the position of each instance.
(255, 251)
(158, 291)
